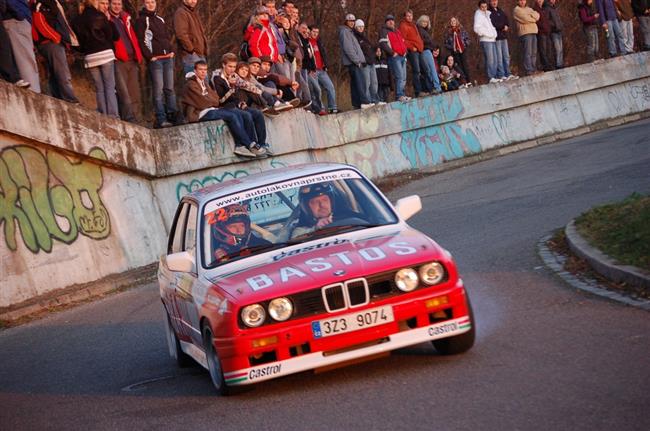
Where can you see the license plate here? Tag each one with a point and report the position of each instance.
(352, 322)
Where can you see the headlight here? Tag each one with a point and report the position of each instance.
(406, 279)
(280, 309)
(432, 273)
(253, 315)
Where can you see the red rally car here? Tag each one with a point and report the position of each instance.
(304, 268)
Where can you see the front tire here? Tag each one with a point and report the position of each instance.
(459, 343)
(181, 358)
(214, 364)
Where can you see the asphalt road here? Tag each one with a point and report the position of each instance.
(547, 357)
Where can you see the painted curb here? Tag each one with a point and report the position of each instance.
(555, 262)
(603, 264)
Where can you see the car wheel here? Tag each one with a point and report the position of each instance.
(459, 343)
(214, 364)
(182, 359)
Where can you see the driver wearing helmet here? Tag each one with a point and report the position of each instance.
(231, 233)
(316, 208)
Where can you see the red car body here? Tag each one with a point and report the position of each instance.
(343, 292)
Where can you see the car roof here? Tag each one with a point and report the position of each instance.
(261, 178)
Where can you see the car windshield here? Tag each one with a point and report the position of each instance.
(289, 212)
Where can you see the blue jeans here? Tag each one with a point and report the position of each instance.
(397, 67)
(254, 124)
(431, 80)
(615, 34)
(315, 91)
(162, 83)
(357, 86)
(104, 78)
(503, 59)
(490, 54)
(413, 58)
(628, 35)
(558, 47)
(327, 85)
(529, 47)
(234, 122)
(591, 33)
(60, 81)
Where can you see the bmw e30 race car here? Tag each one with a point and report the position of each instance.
(304, 268)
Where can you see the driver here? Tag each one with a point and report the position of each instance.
(231, 232)
(316, 208)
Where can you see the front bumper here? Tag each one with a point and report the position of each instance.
(413, 324)
(448, 328)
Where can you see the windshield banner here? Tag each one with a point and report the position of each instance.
(278, 187)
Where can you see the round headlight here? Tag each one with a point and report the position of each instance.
(406, 279)
(253, 315)
(432, 273)
(280, 309)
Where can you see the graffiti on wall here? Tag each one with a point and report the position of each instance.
(435, 144)
(47, 196)
(183, 188)
(216, 139)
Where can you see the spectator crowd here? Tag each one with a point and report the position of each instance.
(282, 63)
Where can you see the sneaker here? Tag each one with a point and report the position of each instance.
(436, 92)
(404, 98)
(367, 105)
(322, 112)
(512, 77)
(22, 83)
(334, 111)
(424, 94)
(494, 81)
(381, 103)
(282, 106)
(165, 124)
(305, 105)
(242, 151)
(270, 112)
(295, 102)
(257, 151)
(268, 150)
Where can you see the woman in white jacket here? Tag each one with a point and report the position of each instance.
(488, 36)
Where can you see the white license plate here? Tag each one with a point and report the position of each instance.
(352, 322)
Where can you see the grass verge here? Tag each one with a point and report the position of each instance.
(620, 230)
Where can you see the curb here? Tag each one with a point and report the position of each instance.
(555, 262)
(78, 293)
(603, 264)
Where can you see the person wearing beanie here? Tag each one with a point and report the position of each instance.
(353, 59)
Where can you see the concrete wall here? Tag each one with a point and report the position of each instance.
(83, 196)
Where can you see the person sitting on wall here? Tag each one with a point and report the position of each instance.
(201, 103)
(231, 233)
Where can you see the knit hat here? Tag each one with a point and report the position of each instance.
(389, 18)
(359, 23)
(266, 59)
(252, 60)
(261, 9)
(350, 17)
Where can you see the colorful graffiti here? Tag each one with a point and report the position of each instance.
(183, 189)
(216, 140)
(46, 197)
(424, 146)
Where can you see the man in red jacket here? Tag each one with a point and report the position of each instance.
(51, 34)
(415, 45)
(129, 57)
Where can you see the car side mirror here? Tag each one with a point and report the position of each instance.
(181, 262)
(408, 206)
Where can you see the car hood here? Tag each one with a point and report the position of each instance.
(325, 261)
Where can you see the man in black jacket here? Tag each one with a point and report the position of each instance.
(500, 22)
(156, 48)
